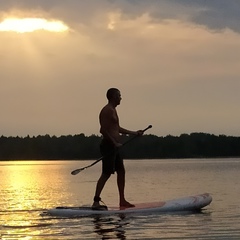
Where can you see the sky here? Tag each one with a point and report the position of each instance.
(176, 63)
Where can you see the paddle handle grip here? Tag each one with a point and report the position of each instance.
(150, 126)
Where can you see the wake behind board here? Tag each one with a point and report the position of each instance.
(191, 203)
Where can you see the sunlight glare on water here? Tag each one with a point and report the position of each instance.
(28, 188)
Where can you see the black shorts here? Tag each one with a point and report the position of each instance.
(112, 160)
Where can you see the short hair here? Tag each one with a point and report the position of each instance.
(111, 92)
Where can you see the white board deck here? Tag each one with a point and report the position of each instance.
(191, 203)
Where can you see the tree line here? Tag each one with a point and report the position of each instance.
(194, 145)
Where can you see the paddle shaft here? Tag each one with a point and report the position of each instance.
(76, 171)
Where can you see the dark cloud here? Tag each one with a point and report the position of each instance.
(220, 14)
(214, 14)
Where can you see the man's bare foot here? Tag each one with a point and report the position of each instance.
(126, 204)
(98, 206)
(95, 205)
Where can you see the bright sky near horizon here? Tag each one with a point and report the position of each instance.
(177, 64)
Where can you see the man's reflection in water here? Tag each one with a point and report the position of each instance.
(109, 227)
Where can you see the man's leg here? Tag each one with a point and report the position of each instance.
(121, 188)
(100, 185)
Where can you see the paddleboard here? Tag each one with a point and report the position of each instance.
(191, 203)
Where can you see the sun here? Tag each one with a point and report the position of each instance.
(25, 25)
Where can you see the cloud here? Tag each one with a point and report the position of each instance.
(214, 14)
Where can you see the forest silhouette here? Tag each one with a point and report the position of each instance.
(74, 147)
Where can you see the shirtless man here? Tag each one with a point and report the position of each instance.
(112, 161)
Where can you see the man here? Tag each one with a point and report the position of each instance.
(112, 161)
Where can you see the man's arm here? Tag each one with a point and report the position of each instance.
(125, 131)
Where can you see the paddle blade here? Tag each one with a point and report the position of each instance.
(76, 171)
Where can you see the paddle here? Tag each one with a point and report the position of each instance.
(76, 171)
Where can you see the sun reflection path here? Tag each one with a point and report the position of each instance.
(21, 196)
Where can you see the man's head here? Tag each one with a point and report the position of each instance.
(114, 95)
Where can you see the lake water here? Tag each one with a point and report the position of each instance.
(27, 188)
